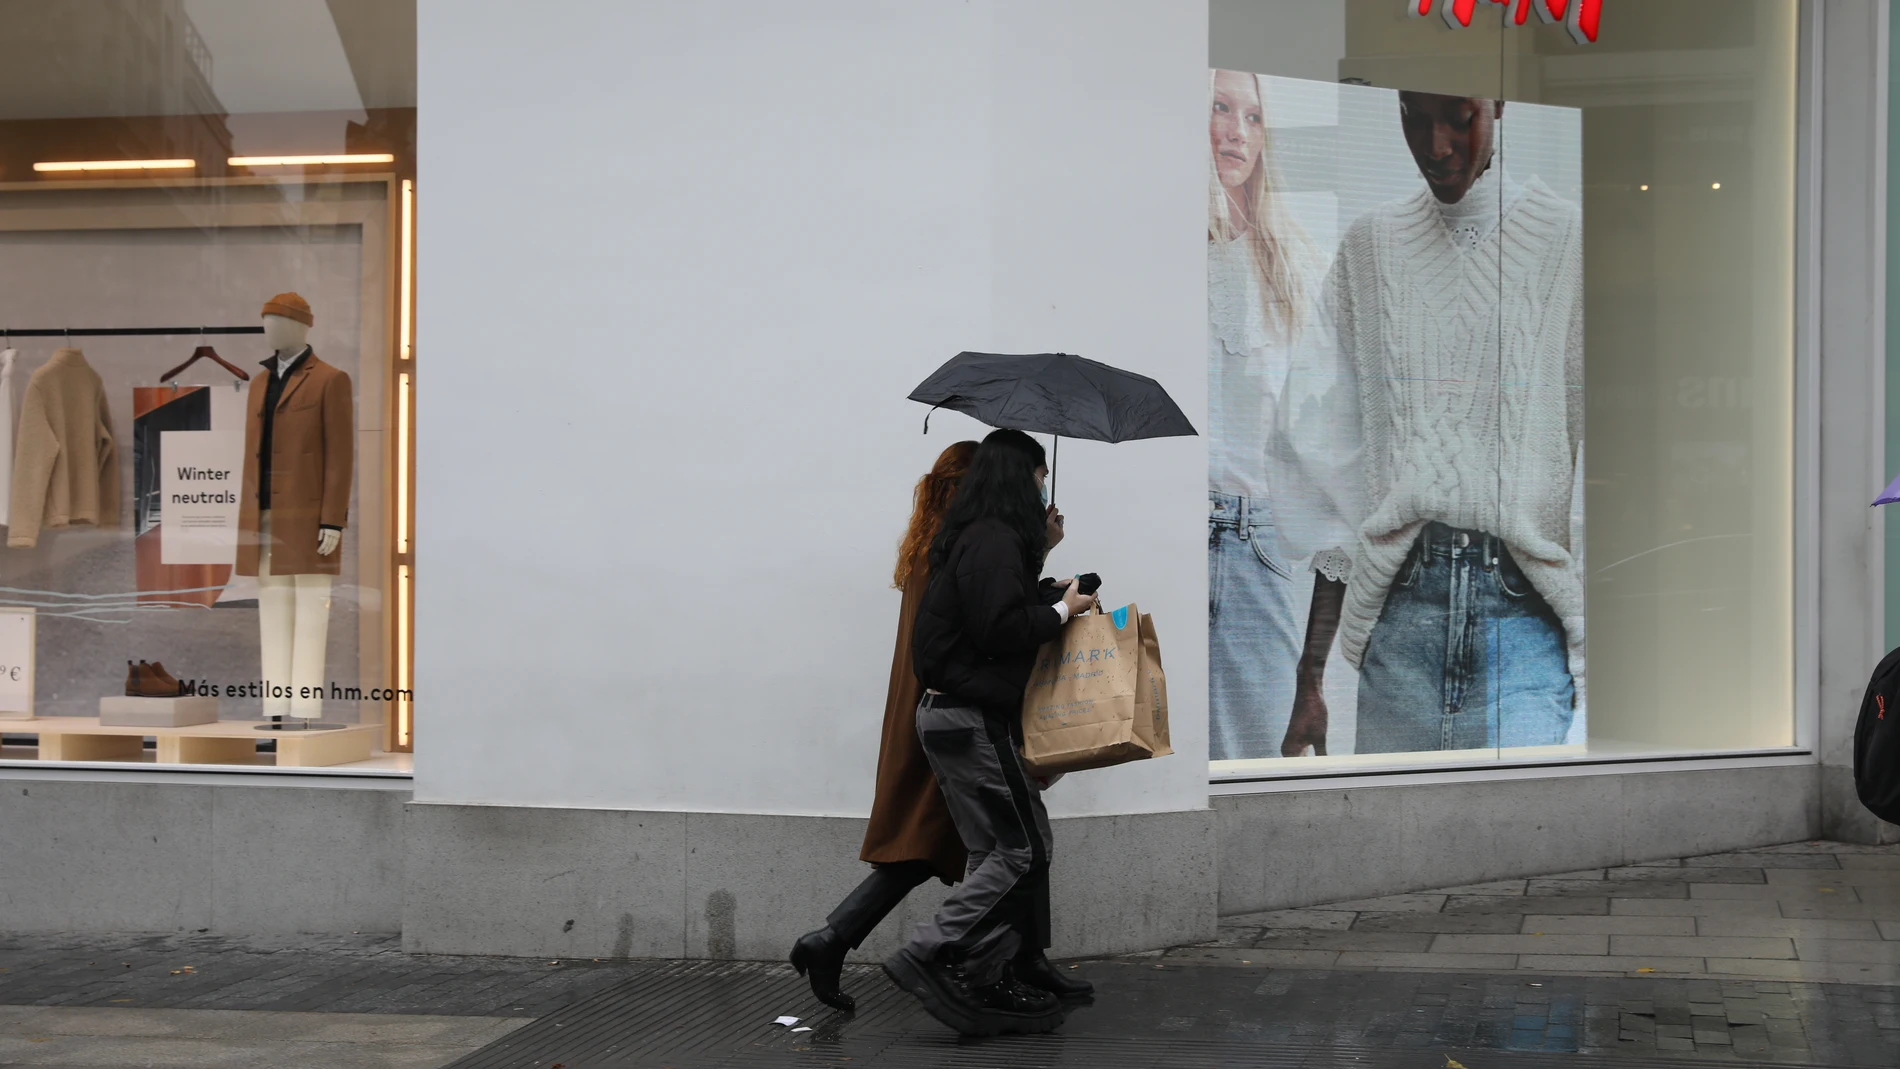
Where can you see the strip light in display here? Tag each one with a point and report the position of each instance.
(116, 165)
(309, 161)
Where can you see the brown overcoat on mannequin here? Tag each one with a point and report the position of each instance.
(909, 820)
(313, 454)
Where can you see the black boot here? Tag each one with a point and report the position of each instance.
(819, 956)
(1038, 972)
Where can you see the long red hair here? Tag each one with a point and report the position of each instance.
(929, 502)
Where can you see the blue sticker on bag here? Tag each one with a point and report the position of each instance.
(1120, 616)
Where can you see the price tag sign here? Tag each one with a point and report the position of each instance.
(17, 636)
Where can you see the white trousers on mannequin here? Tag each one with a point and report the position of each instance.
(293, 622)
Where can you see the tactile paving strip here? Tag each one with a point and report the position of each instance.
(719, 1015)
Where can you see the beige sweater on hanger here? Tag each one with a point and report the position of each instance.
(65, 461)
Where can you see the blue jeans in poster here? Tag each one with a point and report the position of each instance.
(1466, 654)
(1254, 631)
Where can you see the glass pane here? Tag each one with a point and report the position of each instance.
(1517, 261)
(205, 314)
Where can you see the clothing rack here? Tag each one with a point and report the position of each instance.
(123, 332)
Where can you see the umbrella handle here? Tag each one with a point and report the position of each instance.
(1054, 455)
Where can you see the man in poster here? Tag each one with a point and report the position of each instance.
(1446, 438)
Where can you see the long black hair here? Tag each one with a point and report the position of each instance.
(1000, 485)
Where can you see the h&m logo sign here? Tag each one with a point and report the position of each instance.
(1580, 17)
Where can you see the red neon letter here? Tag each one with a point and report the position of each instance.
(1581, 17)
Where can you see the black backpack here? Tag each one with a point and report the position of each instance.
(1877, 742)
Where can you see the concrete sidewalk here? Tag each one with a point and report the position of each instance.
(1782, 956)
(1817, 911)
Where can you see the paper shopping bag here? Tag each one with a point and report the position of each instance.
(1081, 707)
(1151, 692)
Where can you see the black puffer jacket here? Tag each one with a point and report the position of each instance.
(982, 619)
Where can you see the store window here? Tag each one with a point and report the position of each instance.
(1501, 376)
(207, 383)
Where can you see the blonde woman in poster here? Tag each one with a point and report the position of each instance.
(1262, 276)
(1447, 436)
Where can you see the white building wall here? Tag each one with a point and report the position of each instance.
(682, 264)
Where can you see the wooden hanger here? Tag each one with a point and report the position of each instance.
(205, 352)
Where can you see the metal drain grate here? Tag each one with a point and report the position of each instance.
(718, 1015)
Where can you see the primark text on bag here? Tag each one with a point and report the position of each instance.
(1098, 696)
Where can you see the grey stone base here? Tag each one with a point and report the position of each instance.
(1302, 848)
(603, 883)
(106, 855)
(120, 856)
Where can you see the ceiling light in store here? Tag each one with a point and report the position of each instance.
(1643, 188)
(117, 165)
(310, 161)
(1715, 185)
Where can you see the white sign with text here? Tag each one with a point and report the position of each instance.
(17, 635)
(198, 496)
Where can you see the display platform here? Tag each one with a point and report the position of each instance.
(127, 712)
(84, 738)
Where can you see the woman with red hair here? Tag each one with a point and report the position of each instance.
(911, 837)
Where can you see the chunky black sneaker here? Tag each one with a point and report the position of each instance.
(1039, 972)
(941, 989)
(1017, 1007)
(992, 1009)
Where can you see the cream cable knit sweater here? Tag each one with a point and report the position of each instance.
(1470, 418)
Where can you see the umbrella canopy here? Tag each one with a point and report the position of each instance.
(1054, 393)
(1890, 495)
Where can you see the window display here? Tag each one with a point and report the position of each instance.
(206, 296)
(1431, 279)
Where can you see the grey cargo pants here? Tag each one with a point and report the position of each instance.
(998, 909)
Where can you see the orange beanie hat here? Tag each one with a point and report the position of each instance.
(290, 306)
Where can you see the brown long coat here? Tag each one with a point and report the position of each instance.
(909, 821)
(313, 454)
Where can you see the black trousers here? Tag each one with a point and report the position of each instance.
(872, 900)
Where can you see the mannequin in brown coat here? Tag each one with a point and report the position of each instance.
(911, 837)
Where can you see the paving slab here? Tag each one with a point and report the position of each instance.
(1792, 928)
(1861, 951)
(1703, 946)
(1413, 903)
(1763, 859)
(1770, 892)
(1540, 904)
(1611, 925)
(1333, 919)
(1471, 923)
(1693, 907)
(1521, 944)
(1496, 887)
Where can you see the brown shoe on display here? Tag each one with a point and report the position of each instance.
(167, 680)
(149, 681)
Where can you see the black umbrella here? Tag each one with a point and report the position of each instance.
(1054, 393)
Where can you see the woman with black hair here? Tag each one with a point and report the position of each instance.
(978, 965)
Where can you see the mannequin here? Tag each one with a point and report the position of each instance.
(299, 439)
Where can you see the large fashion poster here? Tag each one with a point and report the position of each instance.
(1395, 363)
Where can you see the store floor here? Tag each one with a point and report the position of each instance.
(1772, 957)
